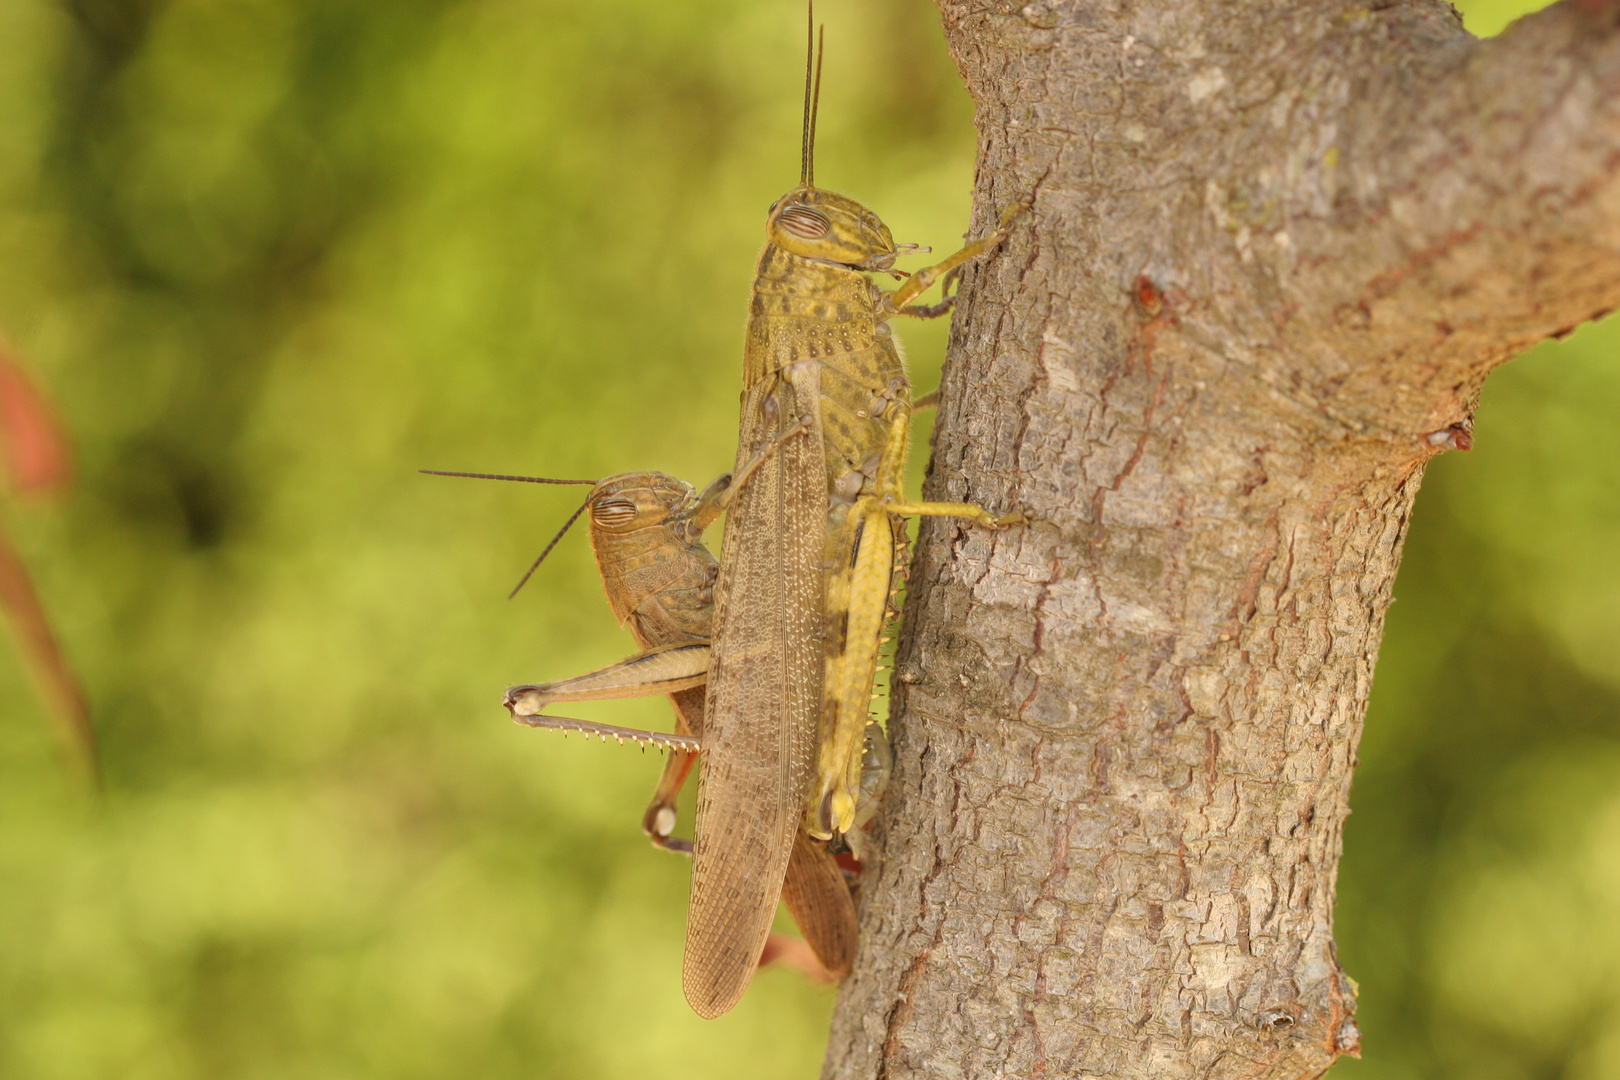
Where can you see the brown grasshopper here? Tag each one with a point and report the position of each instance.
(646, 532)
(806, 560)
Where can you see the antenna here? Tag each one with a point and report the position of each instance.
(498, 476)
(527, 480)
(542, 558)
(815, 106)
(814, 46)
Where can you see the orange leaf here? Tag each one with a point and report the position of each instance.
(37, 455)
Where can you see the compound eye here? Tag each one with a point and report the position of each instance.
(805, 223)
(613, 513)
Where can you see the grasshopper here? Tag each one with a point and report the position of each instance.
(646, 532)
(806, 561)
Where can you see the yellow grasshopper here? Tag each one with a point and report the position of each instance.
(646, 532)
(806, 561)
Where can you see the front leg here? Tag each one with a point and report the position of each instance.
(947, 300)
(896, 301)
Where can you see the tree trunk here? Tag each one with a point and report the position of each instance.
(1273, 253)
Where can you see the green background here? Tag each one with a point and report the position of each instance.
(268, 257)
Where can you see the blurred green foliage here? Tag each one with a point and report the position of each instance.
(1481, 876)
(1480, 887)
(269, 257)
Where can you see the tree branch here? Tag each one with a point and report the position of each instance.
(1475, 212)
(1272, 255)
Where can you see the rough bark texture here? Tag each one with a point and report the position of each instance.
(1274, 251)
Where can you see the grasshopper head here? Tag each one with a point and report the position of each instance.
(820, 224)
(631, 501)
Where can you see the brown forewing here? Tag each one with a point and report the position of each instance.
(764, 692)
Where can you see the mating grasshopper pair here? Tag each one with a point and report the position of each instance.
(802, 589)
(646, 531)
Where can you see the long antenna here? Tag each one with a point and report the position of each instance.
(527, 480)
(498, 476)
(542, 558)
(812, 98)
(815, 107)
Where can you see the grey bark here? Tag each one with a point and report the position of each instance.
(1274, 251)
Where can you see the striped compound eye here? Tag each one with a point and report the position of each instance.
(803, 222)
(613, 513)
